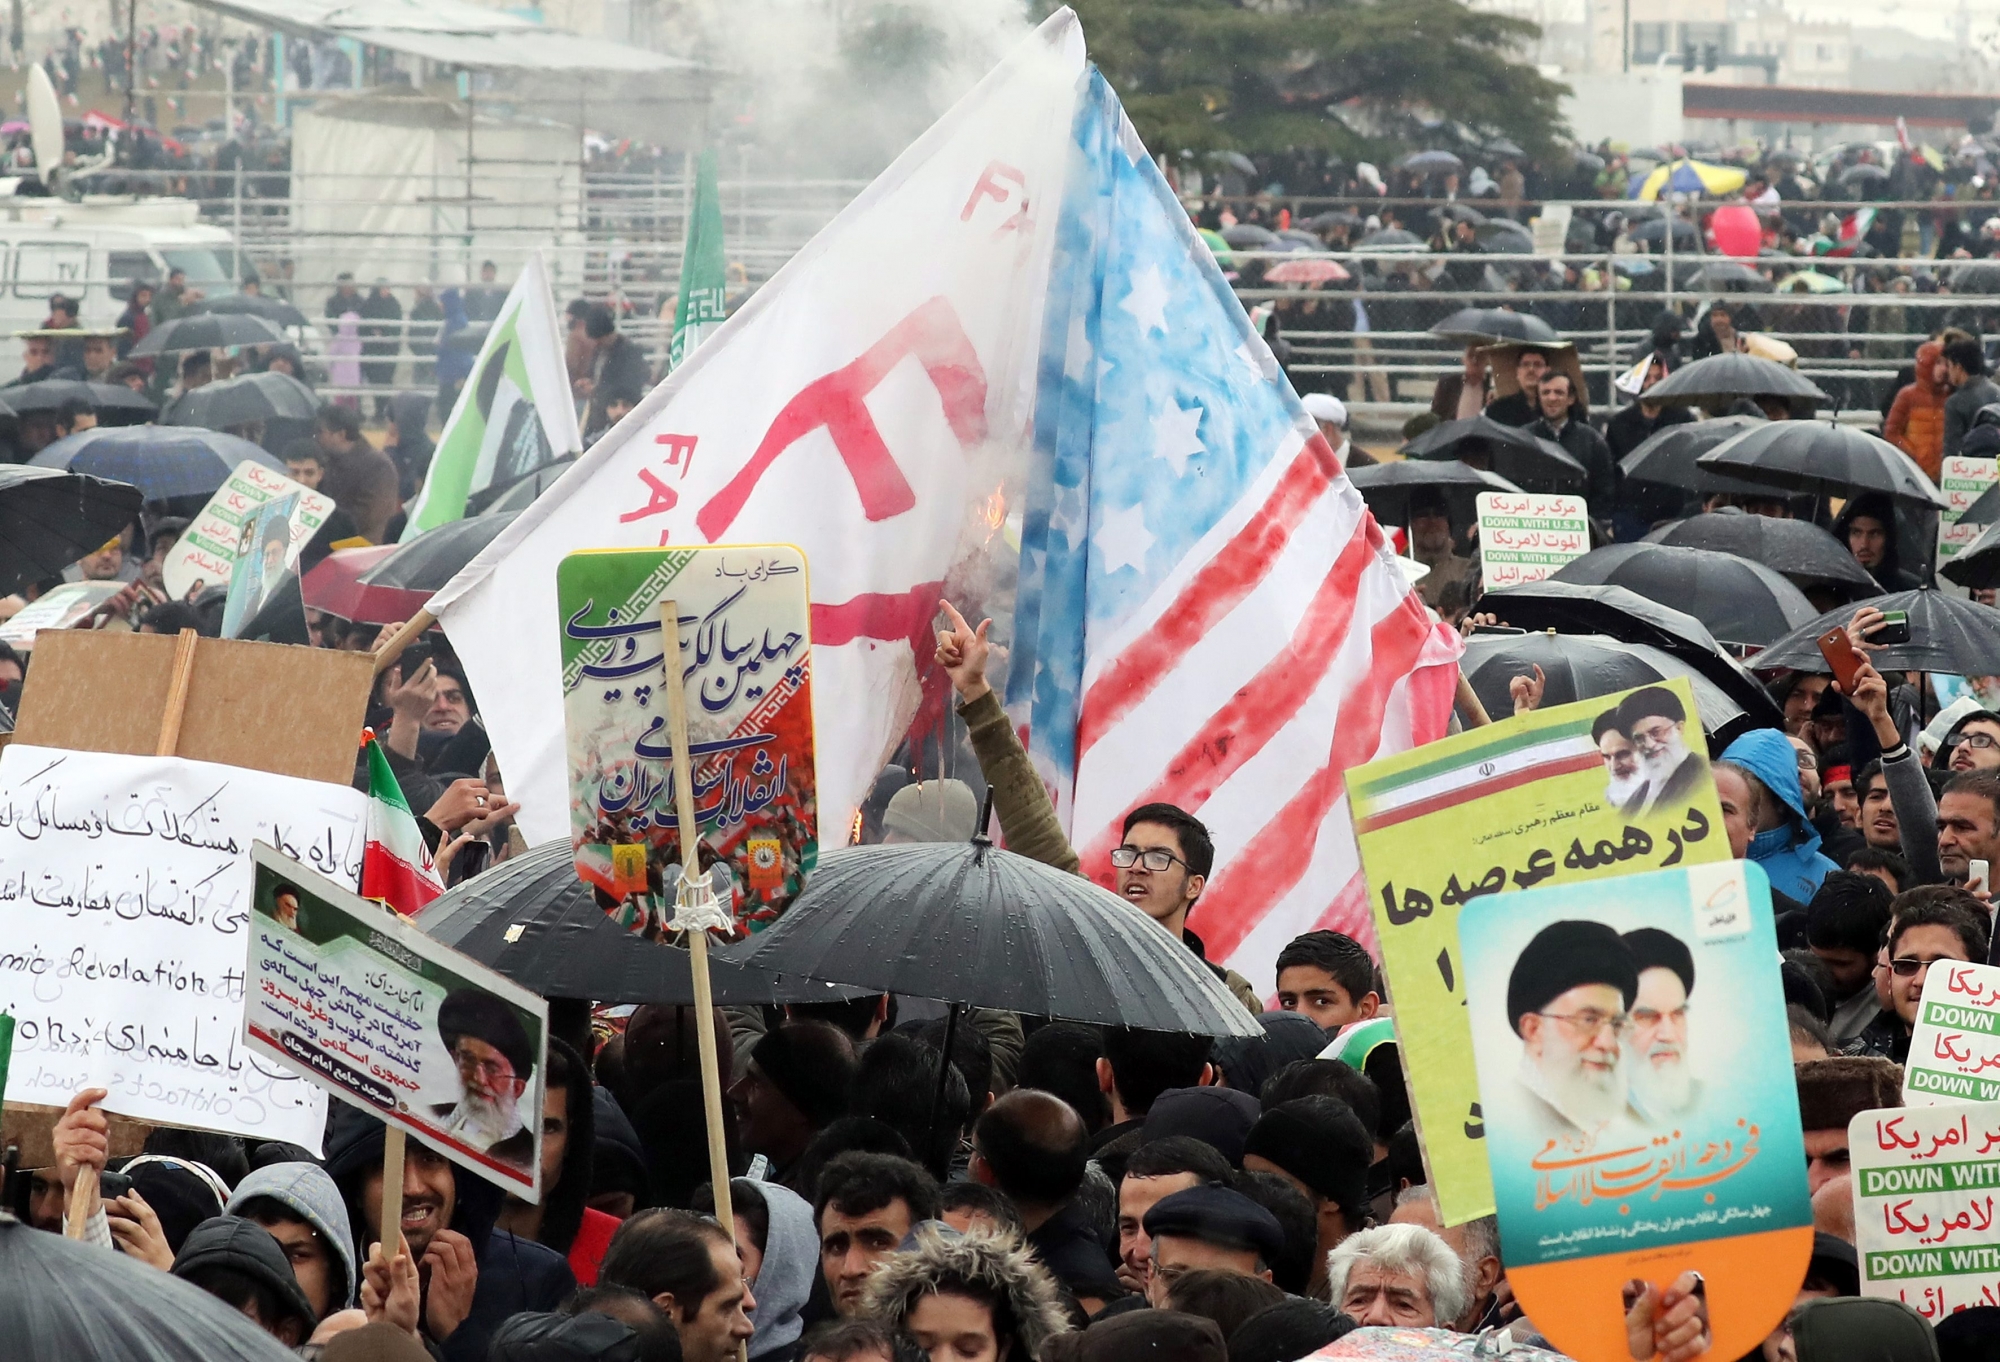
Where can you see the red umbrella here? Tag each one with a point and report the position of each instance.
(1308, 270)
(334, 586)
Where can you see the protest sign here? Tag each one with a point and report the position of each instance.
(125, 889)
(1955, 1045)
(58, 608)
(1925, 1180)
(745, 634)
(1962, 480)
(207, 551)
(364, 1005)
(1550, 229)
(266, 549)
(1641, 1116)
(1526, 536)
(1603, 787)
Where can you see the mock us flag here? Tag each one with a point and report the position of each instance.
(1017, 320)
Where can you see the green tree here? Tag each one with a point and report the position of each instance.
(1266, 75)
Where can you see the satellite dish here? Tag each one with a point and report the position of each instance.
(45, 123)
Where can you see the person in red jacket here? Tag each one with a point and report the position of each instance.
(1916, 420)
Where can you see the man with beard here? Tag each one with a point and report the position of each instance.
(1567, 1000)
(1662, 1088)
(495, 1062)
(1654, 719)
(1624, 785)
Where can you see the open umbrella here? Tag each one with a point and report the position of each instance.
(1666, 458)
(1318, 269)
(470, 339)
(65, 1299)
(1689, 177)
(1458, 212)
(519, 494)
(207, 331)
(49, 519)
(1585, 666)
(1333, 217)
(1730, 274)
(166, 463)
(1615, 612)
(1532, 463)
(334, 585)
(274, 310)
(1734, 375)
(1653, 232)
(1947, 634)
(1430, 163)
(434, 557)
(1296, 239)
(534, 921)
(1811, 281)
(1388, 487)
(1821, 457)
(980, 927)
(242, 400)
(114, 403)
(1504, 236)
(1977, 565)
(1865, 175)
(1390, 241)
(1248, 236)
(1739, 601)
(1493, 325)
(1500, 146)
(1800, 551)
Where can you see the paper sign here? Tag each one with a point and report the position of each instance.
(746, 649)
(1955, 1045)
(1642, 1119)
(206, 554)
(125, 887)
(1526, 536)
(265, 562)
(58, 608)
(1926, 1187)
(1551, 229)
(1559, 795)
(354, 999)
(1962, 480)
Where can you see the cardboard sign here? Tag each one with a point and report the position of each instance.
(1955, 1045)
(746, 645)
(360, 1003)
(1963, 481)
(125, 887)
(1926, 1188)
(268, 552)
(55, 609)
(1526, 536)
(1641, 1115)
(1523, 802)
(206, 555)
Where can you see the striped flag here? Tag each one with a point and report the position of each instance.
(703, 303)
(1208, 616)
(396, 867)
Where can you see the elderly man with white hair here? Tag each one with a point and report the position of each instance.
(1329, 413)
(1397, 1275)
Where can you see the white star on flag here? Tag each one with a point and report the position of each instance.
(1257, 360)
(1147, 302)
(1176, 436)
(1123, 539)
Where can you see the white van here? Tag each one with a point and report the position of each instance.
(92, 250)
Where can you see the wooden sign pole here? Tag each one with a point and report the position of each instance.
(690, 839)
(83, 1197)
(390, 1229)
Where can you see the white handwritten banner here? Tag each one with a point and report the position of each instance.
(1955, 1046)
(1526, 536)
(1925, 1186)
(206, 554)
(125, 887)
(354, 999)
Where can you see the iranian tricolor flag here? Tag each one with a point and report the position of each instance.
(396, 868)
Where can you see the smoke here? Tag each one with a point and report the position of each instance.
(836, 88)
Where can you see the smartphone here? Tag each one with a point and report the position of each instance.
(111, 1186)
(1839, 653)
(1894, 628)
(1978, 876)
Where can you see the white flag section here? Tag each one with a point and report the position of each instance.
(515, 412)
(877, 387)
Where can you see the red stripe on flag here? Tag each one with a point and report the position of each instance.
(1213, 592)
(393, 882)
(1258, 711)
(878, 615)
(1349, 914)
(1275, 860)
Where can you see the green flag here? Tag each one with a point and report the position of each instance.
(6, 1048)
(704, 273)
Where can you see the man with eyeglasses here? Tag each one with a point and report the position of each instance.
(1975, 742)
(1568, 1000)
(1936, 922)
(1662, 1087)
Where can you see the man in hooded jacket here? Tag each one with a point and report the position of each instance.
(1784, 844)
(302, 1209)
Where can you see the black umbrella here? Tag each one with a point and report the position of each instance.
(973, 925)
(1296, 239)
(469, 339)
(1737, 600)
(1653, 232)
(1725, 274)
(240, 401)
(1585, 666)
(434, 557)
(519, 494)
(533, 920)
(1430, 162)
(1589, 161)
(1504, 236)
(1864, 174)
(1500, 146)
(1985, 508)
(166, 463)
(1248, 236)
(1977, 565)
(65, 1299)
(106, 399)
(1947, 634)
(1799, 550)
(49, 519)
(274, 310)
(1334, 217)
(1388, 487)
(1495, 324)
(1458, 212)
(1733, 375)
(207, 331)
(1535, 464)
(1391, 239)
(1615, 612)
(1824, 458)
(1666, 458)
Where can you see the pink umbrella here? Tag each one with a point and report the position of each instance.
(332, 586)
(1306, 270)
